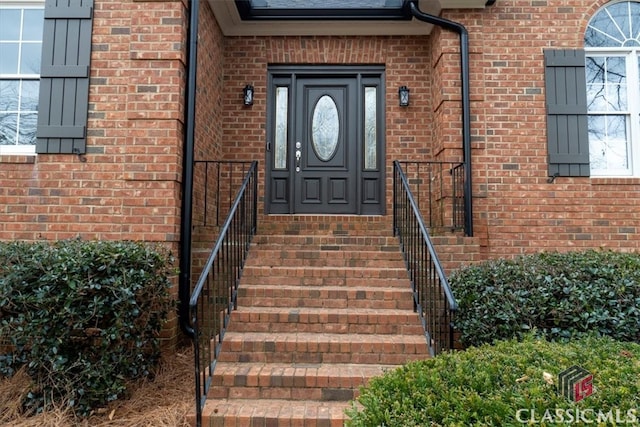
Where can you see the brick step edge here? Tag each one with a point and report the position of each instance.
(274, 412)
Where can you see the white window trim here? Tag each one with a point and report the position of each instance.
(633, 94)
(20, 149)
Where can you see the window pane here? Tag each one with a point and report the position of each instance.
(370, 128)
(29, 95)
(30, 59)
(8, 126)
(325, 128)
(9, 63)
(617, 83)
(27, 129)
(9, 95)
(608, 144)
(282, 103)
(9, 24)
(33, 24)
(607, 84)
(615, 25)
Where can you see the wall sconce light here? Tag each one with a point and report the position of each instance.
(403, 94)
(248, 95)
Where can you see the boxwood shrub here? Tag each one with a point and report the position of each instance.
(83, 316)
(561, 295)
(504, 385)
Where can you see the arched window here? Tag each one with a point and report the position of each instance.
(612, 45)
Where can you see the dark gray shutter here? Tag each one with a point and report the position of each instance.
(567, 126)
(64, 77)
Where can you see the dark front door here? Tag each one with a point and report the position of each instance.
(325, 150)
(325, 146)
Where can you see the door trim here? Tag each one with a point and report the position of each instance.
(371, 183)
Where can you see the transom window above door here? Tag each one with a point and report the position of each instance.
(612, 44)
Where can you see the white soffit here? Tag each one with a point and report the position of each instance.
(230, 23)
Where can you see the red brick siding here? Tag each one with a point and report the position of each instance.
(129, 185)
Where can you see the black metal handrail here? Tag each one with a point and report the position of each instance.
(215, 294)
(432, 296)
(438, 189)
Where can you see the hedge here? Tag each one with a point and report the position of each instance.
(510, 383)
(84, 317)
(561, 295)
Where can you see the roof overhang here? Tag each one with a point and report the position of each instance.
(232, 24)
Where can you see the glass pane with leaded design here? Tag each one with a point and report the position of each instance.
(609, 143)
(325, 128)
(370, 128)
(282, 115)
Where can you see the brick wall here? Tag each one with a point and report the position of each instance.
(515, 209)
(127, 186)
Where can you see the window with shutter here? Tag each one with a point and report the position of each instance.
(64, 77)
(567, 126)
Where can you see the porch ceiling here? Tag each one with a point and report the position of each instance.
(228, 18)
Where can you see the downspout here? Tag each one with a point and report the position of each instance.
(466, 104)
(184, 284)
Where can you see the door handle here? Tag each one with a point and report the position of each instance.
(298, 155)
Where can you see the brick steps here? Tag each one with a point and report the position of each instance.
(321, 382)
(324, 305)
(321, 348)
(320, 320)
(326, 258)
(276, 412)
(324, 296)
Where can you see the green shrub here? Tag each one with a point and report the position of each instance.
(83, 316)
(504, 385)
(559, 294)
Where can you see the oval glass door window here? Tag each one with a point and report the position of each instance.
(325, 128)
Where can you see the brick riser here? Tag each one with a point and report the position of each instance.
(321, 310)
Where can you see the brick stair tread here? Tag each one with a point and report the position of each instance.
(321, 320)
(344, 375)
(331, 263)
(275, 412)
(303, 251)
(342, 272)
(328, 298)
(332, 242)
(325, 315)
(305, 347)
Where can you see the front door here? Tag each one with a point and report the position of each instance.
(325, 153)
(325, 149)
